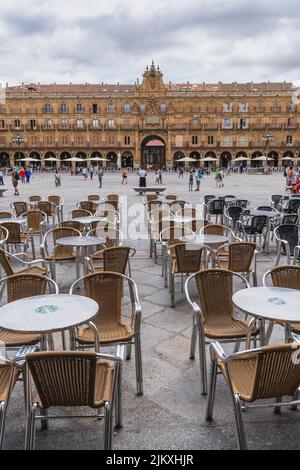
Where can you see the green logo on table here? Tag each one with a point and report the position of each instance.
(277, 301)
(46, 309)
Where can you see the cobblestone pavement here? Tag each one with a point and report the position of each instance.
(171, 414)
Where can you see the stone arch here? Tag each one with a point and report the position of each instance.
(225, 159)
(82, 155)
(18, 156)
(47, 163)
(254, 155)
(127, 160)
(64, 156)
(177, 156)
(37, 159)
(112, 158)
(153, 151)
(275, 156)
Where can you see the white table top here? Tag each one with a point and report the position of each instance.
(205, 239)
(80, 241)
(47, 313)
(90, 219)
(270, 303)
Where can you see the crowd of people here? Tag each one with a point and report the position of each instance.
(292, 180)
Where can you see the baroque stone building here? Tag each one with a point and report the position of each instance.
(152, 123)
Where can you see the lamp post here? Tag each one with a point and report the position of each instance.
(267, 138)
(18, 140)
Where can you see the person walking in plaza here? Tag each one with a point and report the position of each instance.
(191, 181)
(85, 174)
(91, 171)
(159, 173)
(28, 175)
(125, 176)
(1, 178)
(198, 176)
(100, 174)
(15, 176)
(22, 174)
(143, 178)
(219, 178)
(181, 173)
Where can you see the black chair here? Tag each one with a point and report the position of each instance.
(251, 231)
(287, 237)
(233, 214)
(244, 203)
(216, 209)
(208, 198)
(290, 219)
(276, 200)
(292, 207)
(265, 208)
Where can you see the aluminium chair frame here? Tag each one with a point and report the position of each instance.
(32, 408)
(136, 317)
(198, 331)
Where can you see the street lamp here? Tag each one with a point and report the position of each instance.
(18, 140)
(267, 138)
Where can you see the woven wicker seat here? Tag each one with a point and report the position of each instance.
(59, 206)
(239, 257)
(271, 372)
(77, 213)
(115, 260)
(156, 226)
(94, 198)
(188, 259)
(8, 377)
(214, 316)
(16, 237)
(106, 289)
(6, 215)
(72, 379)
(19, 208)
(74, 225)
(88, 206)
(50, 209)
(171, 197)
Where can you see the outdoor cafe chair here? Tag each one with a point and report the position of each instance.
(239, 257)
(291, 207)
(177, 205)
(232, 214)
(213, 314)
(50, 209)
(155, 227)
(288, 240)
(266, 373)
(106, 288)
(116, 260)
(17, 237)
(6, 215)
(88, 206)
(94, 198)
(250, 230)
(53, 253)
(73, 224)
(59, 204)
(19, 208)
(37, 266)
(78, 213)
(71, 379)
(170, 197)
(188, 259)
(9, 374)
(276, 200)
(215, 208)
(243, 203)
(35, 223)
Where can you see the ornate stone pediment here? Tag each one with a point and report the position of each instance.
(153, 80)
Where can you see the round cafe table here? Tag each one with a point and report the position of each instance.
(79, 243)
(47, 314)
(270, 303)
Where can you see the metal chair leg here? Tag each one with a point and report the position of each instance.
(44, 422)
(107, 426)
(202, 358)
(138, 365)
(128, 352)
(3, 408)
(277, 409)
(118, 400)
(212, 391)
(193, 342)
(239, 423)
(30, 430)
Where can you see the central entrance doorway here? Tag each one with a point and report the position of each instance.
(153, 152)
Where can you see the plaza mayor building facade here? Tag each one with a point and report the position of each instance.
(152, 123)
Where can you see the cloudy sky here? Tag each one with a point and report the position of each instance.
(113, 40)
